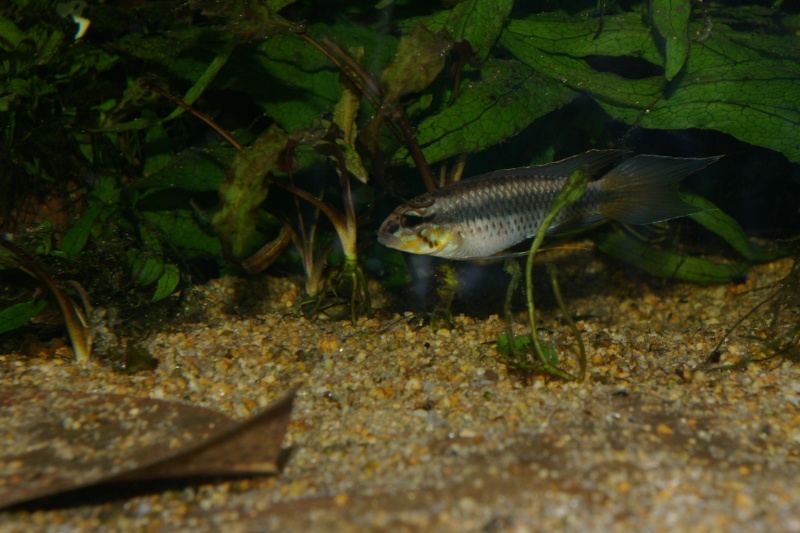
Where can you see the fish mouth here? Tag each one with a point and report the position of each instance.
(412, 228)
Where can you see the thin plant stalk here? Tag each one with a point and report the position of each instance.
(553, 272)
(570, 192)
(75, 321)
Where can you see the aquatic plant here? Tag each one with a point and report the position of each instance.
(343, 109)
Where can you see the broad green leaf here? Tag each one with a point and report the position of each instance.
(577, 37)
(736, 90)
(157, 151)
(666, 264)
(186, 54)
(246, 188)
(477, 21)
(10, 35)
(247, 20)
(509, 97)
(294, 83)
(78, 235)
(19, 314)
(48, 42)
(671, 19)
(196, 169)
(730, 82)
(277, 5)
(521, 342)
(556, 47)
(167, 282)
(180, 229)
(420, 57)
(726, 227)
(145, 267)
(524, 343)
(106, 190)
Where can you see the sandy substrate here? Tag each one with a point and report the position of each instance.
(400, 428)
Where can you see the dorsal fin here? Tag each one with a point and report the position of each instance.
(592, 162)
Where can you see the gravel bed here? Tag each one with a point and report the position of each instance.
(400, 428)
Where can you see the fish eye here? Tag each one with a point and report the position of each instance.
(411, 221)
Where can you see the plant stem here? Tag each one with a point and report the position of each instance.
(79, 334)
(551, 270)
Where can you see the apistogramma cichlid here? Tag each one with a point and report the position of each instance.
(482, 216)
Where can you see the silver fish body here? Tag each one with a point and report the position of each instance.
(485, 215)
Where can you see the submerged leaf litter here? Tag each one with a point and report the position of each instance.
(397, 427)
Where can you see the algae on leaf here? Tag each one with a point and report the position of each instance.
(245, 189)
(478, 22)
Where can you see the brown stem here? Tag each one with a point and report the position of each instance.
(205, 118)
(363, 81)
(337, 218)
(416, 152)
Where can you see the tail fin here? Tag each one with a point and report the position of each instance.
(644, 188)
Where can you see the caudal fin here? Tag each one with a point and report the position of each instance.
(644, 188)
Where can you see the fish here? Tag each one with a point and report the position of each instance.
(480, 217)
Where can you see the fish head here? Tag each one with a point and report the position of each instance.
(412, 228)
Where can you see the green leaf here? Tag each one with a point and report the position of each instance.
(186, 54)
(157, 150)
(671, 19)
(509, 97)
(521, 342)
(169, 279)
(537, 39)
(302, 82)
(420, 57)
(78, 235)
(248, 20)
(181, 230)
(730, 82)
(477, 21)
(246, 188)
(292, 81)
(196, 169)
(524, 344)
(10, 35)
(146, 267)
(19, 314)
(106, 190)
(726, 227)
(556, 47)
(666, 264)
(733, 89)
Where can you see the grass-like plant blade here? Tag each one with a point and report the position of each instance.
(569, 193)
(719, 222)
(664, 263)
